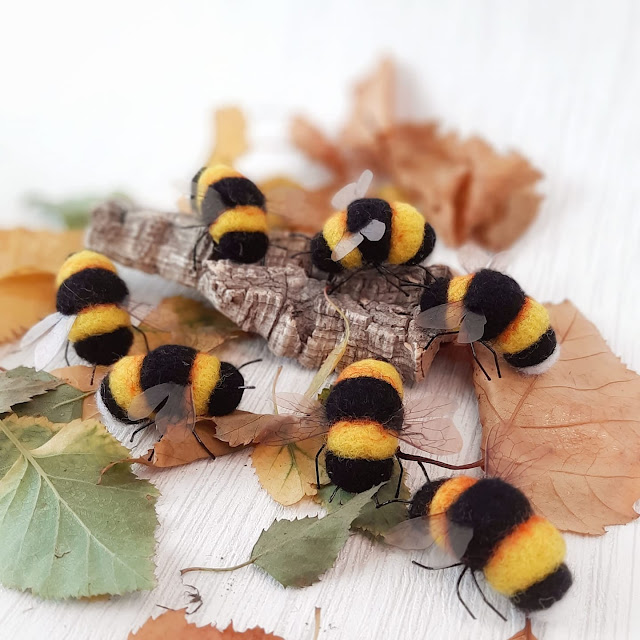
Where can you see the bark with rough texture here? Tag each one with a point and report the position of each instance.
(281, 300)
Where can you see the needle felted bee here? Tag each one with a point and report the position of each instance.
(91, 314)
(364, 419)
(170, 386)
(233, 210)
(488, 525)
(370, 233)
(490, 307)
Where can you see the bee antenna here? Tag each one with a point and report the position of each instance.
(246, 364)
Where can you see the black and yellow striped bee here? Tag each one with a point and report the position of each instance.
(488, 525)
(233, 210)
(91, 314)
(370, 233)
(490, 307)
(364, 418)
(169, 386)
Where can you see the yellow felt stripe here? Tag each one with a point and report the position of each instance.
(124, 380)
(407, 232)
(205, 374)
(242, 218)
(527, 555)
(371, 368)
(334, 229)
(95, 321)
(458, 288)
(526, 329)
(448, 492)
(210, 176)
(361, 439)
(83, 260)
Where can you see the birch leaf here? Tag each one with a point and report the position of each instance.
(570, 438)
(63, 534)
(17, 389)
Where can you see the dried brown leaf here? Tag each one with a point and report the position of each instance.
(317, 146)
(570, 438)
(173, 624)
(526, 633)
(79, 377)
(288, 472)
(230, 138)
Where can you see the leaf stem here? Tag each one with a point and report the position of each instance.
(72, 400)
(217, 569)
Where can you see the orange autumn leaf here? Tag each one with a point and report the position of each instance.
(230, 140)
(570, 438)
(79, 377)
(525, 633)
(172, 625)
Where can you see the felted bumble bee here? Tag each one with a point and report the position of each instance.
(233, 212)
(364, 419)
(169, 386)
(488, 525)
(92, 314)
(370, 233)
(489, 307)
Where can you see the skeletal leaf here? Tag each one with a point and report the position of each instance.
(22, 388)
(570, 438)
(173, 625)
(63, 534)
(371, 520)
(64, 403)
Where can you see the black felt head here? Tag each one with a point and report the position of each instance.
(498, 297)
(321, 255)
(227, 394)
(360, 213)
(545, 593)
(105, 349)
(88, 288)
(365, 398)
(355, 475)
(168, 363)
(435, 294)
(428, 244)
(245, 247)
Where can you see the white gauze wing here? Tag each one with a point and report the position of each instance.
(347, 244)
(471, 327)
(429, 425)
(53, 342)
(374, 230)
(39, 329)
(473, 258)
(352, 191)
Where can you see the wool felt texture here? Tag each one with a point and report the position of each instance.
(367, 398)
(88, 288)
(333, 231)
(458, 288)
(105, 349)
(83, 260)
(423, 497)
(167, 363)
(361, 439)
(498, 297)
(122, 385)
(408, 230)
(321, 255)
(360, 213)
(527, 555)
(541, 350)
(206, 177)
(205, 375)
(435, 294)
(95, 321)
(242, 218)
(544, 593)
(238, 191)
(545, 365)
(426, 248)
(372, 368)
(241, 246)
(226, 395)
(531, 323)
(355, 475)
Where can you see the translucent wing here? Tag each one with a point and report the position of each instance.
(471, 327)
(39, 329)
(52, 343)
(146, 403)
(175, 402)
(374, 230)
(416, 534)
(444, 316)
(473, 258)
(137, 310)
(352, 191)
(500, 261)
(429, 425)
(347, 244)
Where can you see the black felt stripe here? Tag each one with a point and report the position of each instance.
(537, 353)
(356, 475)
(105, 349)
(360, 213)
(245, 247)
(168, 363)
(435, 294)
(428, 244)
(421, 501)
(88, 288)
(226, 395)
(321, 255)
(544, 593)
(239, 191)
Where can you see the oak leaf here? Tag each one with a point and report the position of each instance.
(570, 438)
(172, 625)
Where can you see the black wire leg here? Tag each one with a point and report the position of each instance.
(475, 357)
(320, 450)
(246, 364)
(202, 444)
(335, 287)
(333, 495)
(438, 335)
(424, 566)
(399, 478)
(424, 470)
(140, 428)
(203, 235)
(388, 279)
(485, 344)
(66, 354)
(475, 580)
(144, 336)
(464, 604)
(93, 374)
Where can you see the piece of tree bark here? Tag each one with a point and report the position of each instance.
(281, 300)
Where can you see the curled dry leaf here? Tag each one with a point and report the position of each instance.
(173, 624)
(570, 438)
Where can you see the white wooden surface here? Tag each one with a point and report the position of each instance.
(117, 95)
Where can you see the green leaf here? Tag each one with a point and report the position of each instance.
(15, 389)
(371, 520)
(62, 404)
(64, 534)
(297, 552)
(324, 394)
